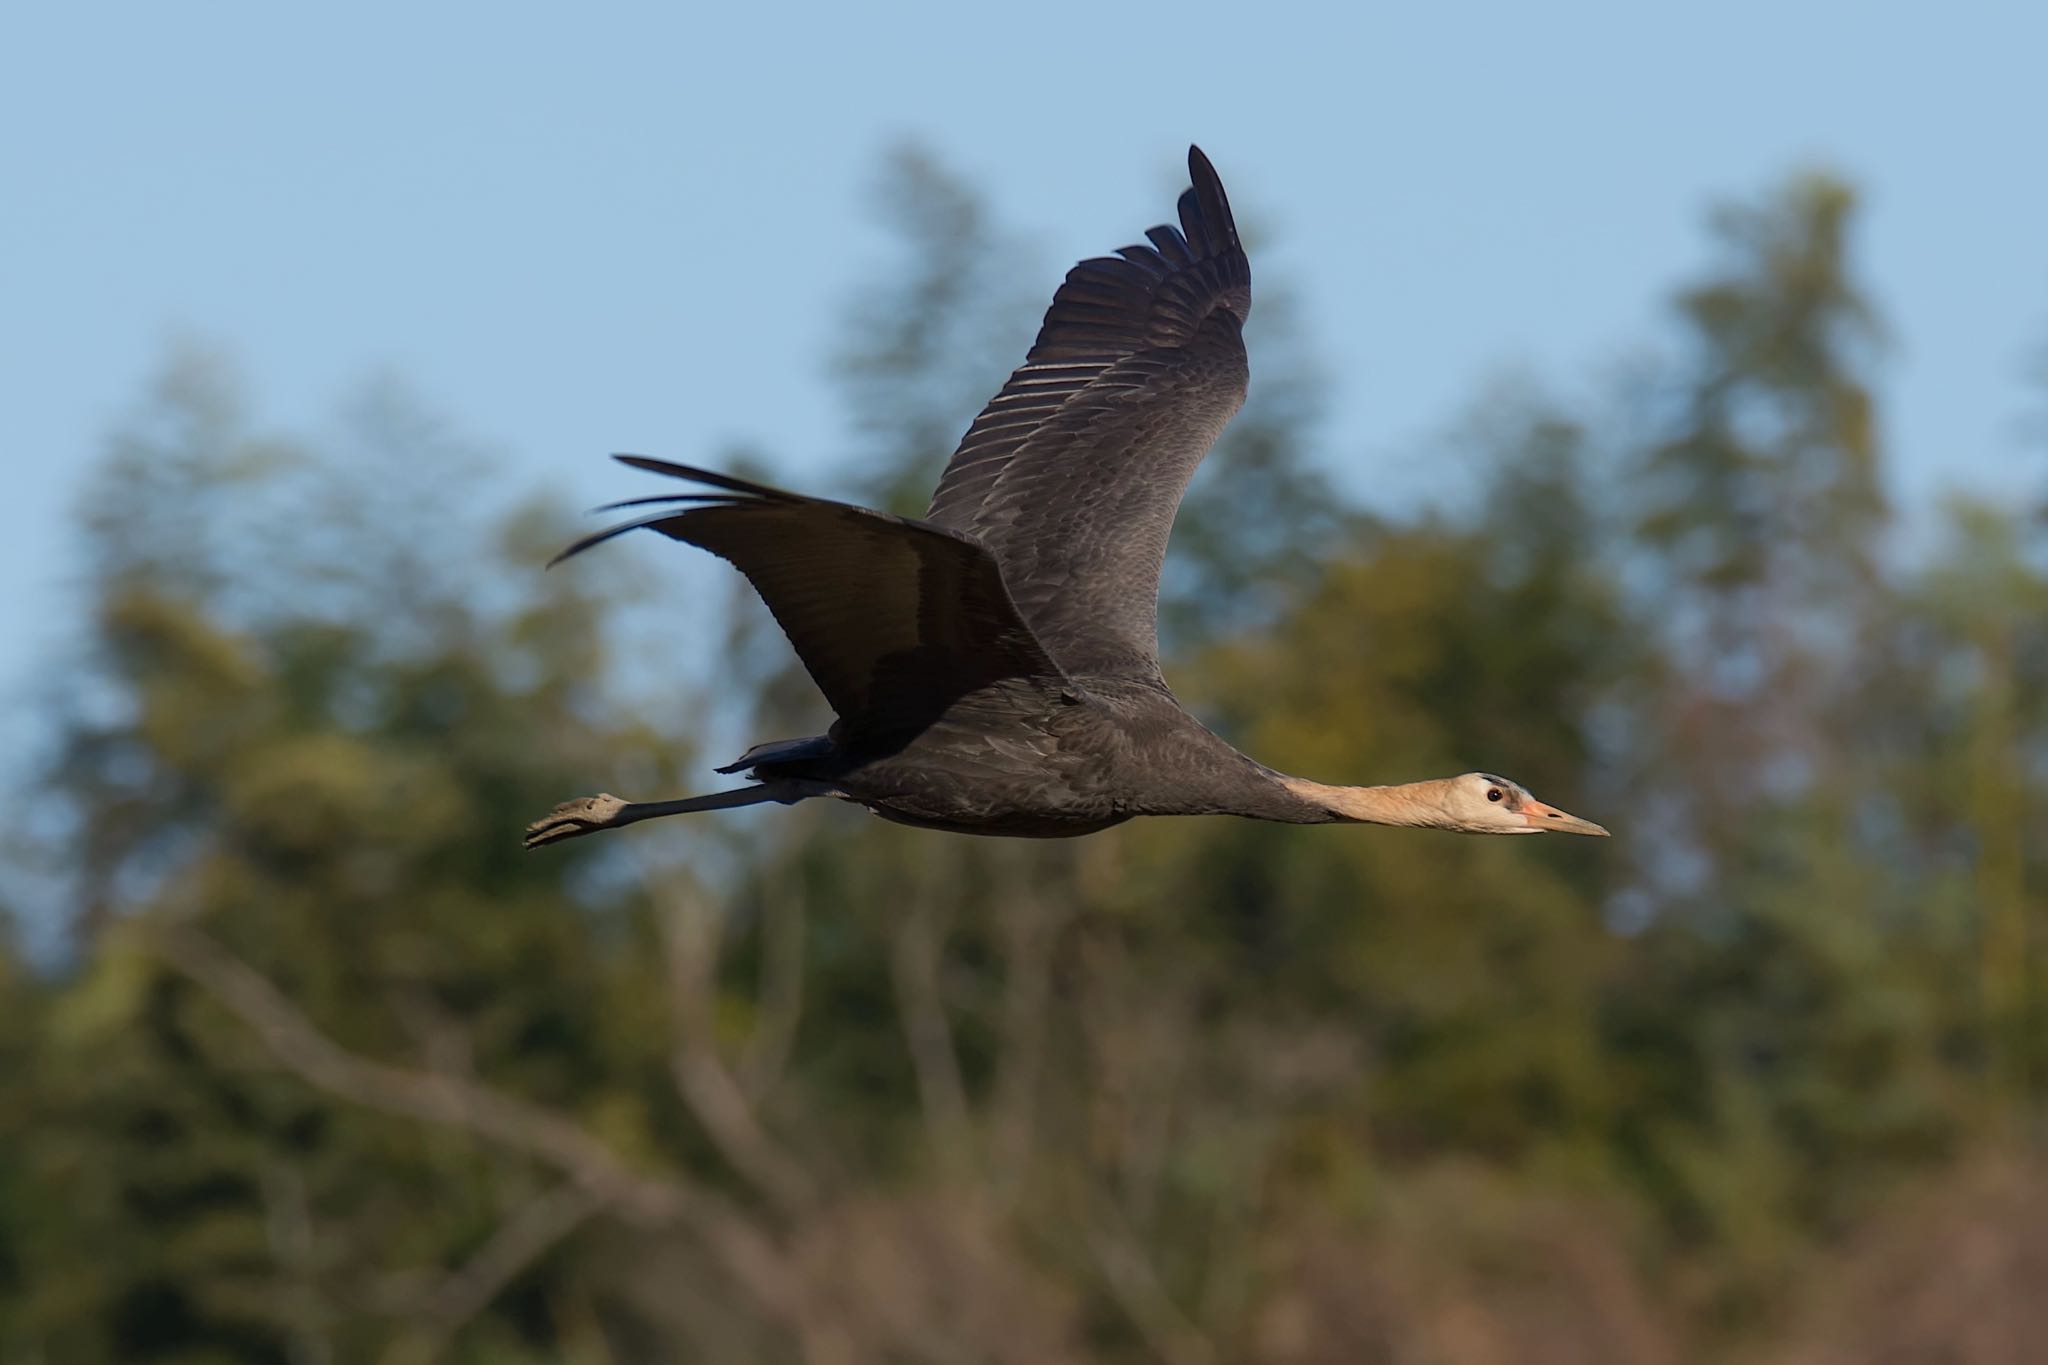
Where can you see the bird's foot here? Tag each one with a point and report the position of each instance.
(573, 819)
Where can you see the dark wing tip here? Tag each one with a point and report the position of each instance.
(608, 533)
(675, 508)
(705, 476)
(674, 504)
(1205, 210)
(665, 499)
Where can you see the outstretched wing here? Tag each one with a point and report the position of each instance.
(1072, 474)
(894, 619)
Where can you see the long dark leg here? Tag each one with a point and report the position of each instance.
(589, 814)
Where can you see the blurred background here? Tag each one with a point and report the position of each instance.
(1652, 406)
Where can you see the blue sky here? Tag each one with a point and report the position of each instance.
(632, 227)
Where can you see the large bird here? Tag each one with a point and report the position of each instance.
(995, 665)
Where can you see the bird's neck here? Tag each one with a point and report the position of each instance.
(1417, 805)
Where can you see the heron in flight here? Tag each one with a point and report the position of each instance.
(994, 666)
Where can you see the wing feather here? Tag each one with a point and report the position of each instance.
(1073, 472)
(894, 619)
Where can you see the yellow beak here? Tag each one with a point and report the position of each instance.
(1551, 820)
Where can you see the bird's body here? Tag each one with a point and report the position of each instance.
(1047, 763)
(994, 666)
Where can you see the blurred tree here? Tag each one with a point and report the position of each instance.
(925, 344)
(1973, 645)
(334, 1073)
(1762, 505)
(302, 736)
(1799, 996)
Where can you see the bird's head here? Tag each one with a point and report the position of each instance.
(1481, 803)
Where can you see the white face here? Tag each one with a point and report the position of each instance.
(1483, 803)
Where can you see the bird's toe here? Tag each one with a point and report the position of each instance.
(584, 815)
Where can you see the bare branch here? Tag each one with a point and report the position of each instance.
(1134, 1283)
(444, 1043)
(468, 1291)
(450, 1101)
(766, 1052)
(1030, 925)
(915, 949)
(720, 1105)
(288, 1223)
(440, 1099)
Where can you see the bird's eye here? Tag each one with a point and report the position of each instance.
(1493, 794)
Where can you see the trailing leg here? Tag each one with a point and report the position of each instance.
(589, 814)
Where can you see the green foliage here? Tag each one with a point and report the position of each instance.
(331, 1071)
(327, 792)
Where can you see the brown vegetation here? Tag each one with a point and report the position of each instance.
(312, 1064)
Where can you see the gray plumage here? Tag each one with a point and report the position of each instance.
(994, 666)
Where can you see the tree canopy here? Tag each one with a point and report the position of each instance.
(324, 1068)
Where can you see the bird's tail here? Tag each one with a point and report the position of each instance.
(782, 751)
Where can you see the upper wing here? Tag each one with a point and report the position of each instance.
(894, 619)
(1072, 474)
